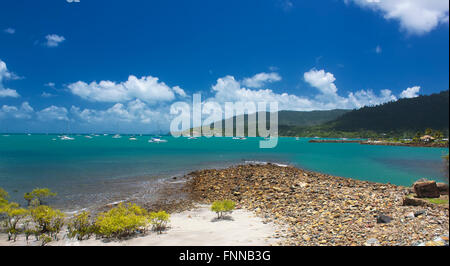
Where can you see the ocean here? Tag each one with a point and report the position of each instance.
(102, 169)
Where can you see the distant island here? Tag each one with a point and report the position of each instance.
(401, 119)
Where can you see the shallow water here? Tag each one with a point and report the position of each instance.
(101, 169)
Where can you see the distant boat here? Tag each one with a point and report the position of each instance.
(133, 139)
(117, 136)
(242, 138)
(157, 140)
(66, 138)
(297, 138)
(88, 137)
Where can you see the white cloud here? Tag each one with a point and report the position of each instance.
(415, 16)
(53, 113)
(46, 95)
(410, 92)
(228, 89)
(9, 31)
(148, 89)
(5, 74)
(321, 80)
(8, 93)
(54, 40)
(261, 79)
(25, 111)
(133, 112)
(50, 84)
(378, 49)
(286, 5)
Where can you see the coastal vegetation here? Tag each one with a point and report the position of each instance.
(121, 221)
(159, 220)
(37, 196)
(81, 227)
(46, 223)
(223, 207)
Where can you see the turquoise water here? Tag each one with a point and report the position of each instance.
(100, 165)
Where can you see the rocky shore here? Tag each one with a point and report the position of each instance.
(318, 209)
(384, 143)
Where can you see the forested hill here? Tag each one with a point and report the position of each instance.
(415, 114)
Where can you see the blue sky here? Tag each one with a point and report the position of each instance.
(119, 65)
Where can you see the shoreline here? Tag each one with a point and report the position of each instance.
(382, 143)
(290, 206)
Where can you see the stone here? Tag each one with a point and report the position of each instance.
(410, 215)
(426, 189)
(372, 242)
(383, 219)
(443, 188)
(418, 213)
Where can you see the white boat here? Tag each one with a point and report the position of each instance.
(133, 139)
(66, 138)
(297, 138)
(117, 136)
(157, 140)
(88, 137)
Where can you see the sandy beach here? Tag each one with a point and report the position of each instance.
(196, 227)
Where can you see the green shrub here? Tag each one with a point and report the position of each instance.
(45, 239)
(122, 221)
(38, 195)
(159, 220)
(221, 207)
(47, 220)
(81, 226)
(14, 214)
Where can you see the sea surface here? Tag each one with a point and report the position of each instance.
(102, 169)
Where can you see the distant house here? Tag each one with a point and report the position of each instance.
(427, 138)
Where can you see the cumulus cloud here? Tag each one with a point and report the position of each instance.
(133, 112)
(5, 74)
(415, 16)
(54, 40)
(25, 111)
(228, 89)
(410, 92)
(148, 89)
(261, 79)
(53, 113)
(9, 31)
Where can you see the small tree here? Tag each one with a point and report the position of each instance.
(122, 221)
(159, 220)
(81, 226)
(4, 196)
(47, 220)
(38, 195)
(14, 214)
(221, 207)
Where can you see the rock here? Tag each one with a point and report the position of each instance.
(418, 213)
(372, 242)
(443, 188)
(426, 189)
(383, 219)
(410, 215)
(434, 243)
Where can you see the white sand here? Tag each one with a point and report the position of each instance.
(196, 227)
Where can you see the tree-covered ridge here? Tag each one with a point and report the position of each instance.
(415, 114)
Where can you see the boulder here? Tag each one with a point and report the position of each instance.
(443, 188)
(426, 189)
(383, 219)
